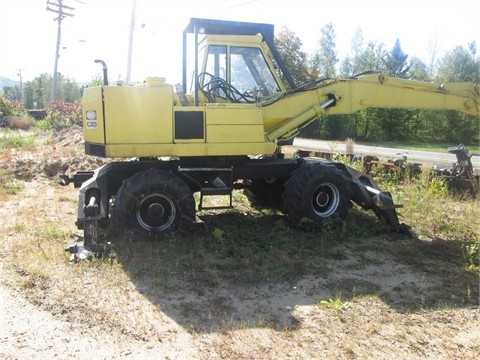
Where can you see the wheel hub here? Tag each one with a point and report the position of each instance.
(322, 199)
(156, 211)
(326, 200)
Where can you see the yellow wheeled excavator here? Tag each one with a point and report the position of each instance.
(225, 134)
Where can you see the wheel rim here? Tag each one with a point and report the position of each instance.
(156, 212)
(325, 200)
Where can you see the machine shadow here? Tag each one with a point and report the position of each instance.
(252, 270)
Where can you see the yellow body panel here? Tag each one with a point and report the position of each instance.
(241, 134)
(189, 149)
(138, 115)
(228, 114)
(241, 123)
(140, 122)
(93, 129)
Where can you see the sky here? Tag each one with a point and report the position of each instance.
(100, 29)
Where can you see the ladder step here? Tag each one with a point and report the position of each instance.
(221, 185)
(223, 191)
(216, 191)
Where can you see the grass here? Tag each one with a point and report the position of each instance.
(248, 247)
(8, 184)
(17, 142)
(268, 251)
(247, 268)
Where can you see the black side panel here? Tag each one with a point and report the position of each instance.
(95, 149)
(189, 125)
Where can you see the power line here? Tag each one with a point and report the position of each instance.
(229, 5)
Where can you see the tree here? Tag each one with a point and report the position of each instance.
(325, 59)
(418, 70)
(334, 127)
(37, 91)
(364, 57)
(393, 124)
(289, 47)
(395, 61)
(460, 65)
(68, 91)
(433, 50)
(12, 93)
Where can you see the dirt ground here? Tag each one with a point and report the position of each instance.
(387, 318)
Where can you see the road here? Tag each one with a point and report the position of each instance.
(384, 153)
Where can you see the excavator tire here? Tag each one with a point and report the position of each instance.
(264, 193)
(315, 195)
(153, 203)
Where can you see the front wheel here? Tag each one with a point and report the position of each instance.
(153, 203)
(316, 194)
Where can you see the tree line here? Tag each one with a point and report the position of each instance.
(35, 94)
(459, 64)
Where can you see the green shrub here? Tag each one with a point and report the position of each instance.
(437, 188)
(8, 107)
(61, 113)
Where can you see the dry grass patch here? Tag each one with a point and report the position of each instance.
(247, 285)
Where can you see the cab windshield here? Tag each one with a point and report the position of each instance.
(236, 74)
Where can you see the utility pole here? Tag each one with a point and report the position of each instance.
(21, 83)
(58, 8)
(130, 42)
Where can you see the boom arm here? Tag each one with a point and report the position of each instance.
(378, 90)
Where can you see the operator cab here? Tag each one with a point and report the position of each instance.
(231, 63)
(235, 72)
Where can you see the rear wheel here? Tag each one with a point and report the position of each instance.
(265, 192)
(153, 203)
(316, 194)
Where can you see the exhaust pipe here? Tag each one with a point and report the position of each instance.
(105, 75)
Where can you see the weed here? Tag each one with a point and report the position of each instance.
(338, 254)
(373, 260)
(218, 234)
(20, 226)
(437, 188)
(54, 233)
(8, 184)
(161, 278)
(44, 124)
(17, 142)
(471, 255)
(379, 171)
(344, 159)
(239, 198)
(336, 304)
